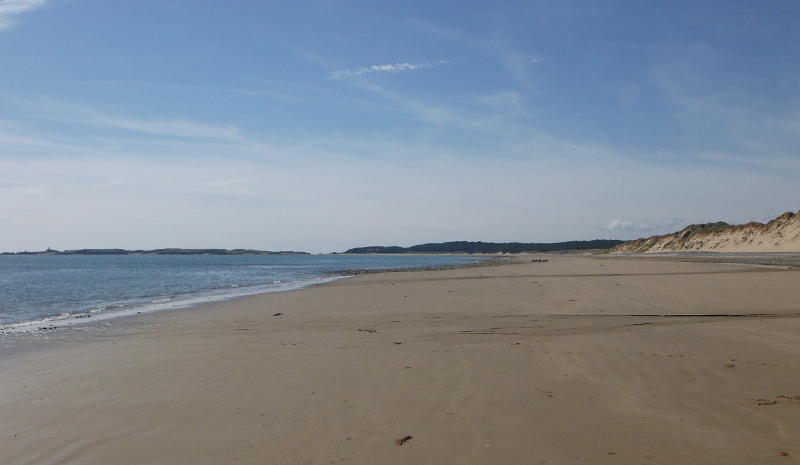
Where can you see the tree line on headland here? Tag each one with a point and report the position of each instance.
(489, 247)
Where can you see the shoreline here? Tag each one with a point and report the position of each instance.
(185, 302)
(113, 309)
(580, 359)
(39, 332)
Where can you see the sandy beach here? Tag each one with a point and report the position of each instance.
(579, 359)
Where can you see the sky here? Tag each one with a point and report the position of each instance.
(325, 125)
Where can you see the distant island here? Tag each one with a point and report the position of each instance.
(490, 247)
(157, 252)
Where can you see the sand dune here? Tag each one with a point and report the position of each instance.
(779, 235)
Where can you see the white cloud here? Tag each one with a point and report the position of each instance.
(11, 8)
(395, 68)
(619, 224)
(665, 226)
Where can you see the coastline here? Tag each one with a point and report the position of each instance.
(182, 303)
(107, 304)
(578, 359)
(37, 333)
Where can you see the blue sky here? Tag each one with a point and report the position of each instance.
(324, 125)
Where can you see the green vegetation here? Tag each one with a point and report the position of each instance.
(489, 247)
(90, 252)
(710, 227)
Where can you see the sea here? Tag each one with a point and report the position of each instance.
(44, 292)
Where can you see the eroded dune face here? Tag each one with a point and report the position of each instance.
(779, 235)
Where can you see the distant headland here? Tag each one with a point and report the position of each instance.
(50, 251)
(491, 247)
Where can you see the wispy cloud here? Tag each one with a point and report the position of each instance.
(264, 195)
(10, 8)
(515, 61)
(437, 115)
(722, 110)
(776, 162)
(507, 102)
(395, 68)
(77, 114)
(175, 127)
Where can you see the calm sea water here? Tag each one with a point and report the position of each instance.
(45, 291)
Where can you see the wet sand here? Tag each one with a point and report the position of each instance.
(578, 359)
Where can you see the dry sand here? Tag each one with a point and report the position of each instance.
(576, 360)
